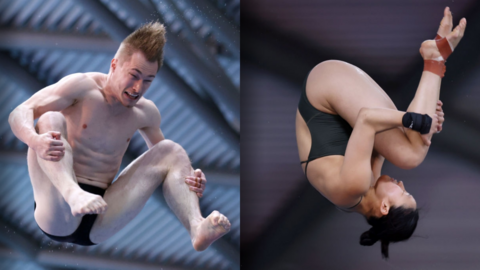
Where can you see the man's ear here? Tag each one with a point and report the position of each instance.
(113, 64)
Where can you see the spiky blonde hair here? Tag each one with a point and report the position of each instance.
(149, 39)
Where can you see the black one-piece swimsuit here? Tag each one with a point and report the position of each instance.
(330, 133)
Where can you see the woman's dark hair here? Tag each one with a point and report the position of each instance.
(398, 225)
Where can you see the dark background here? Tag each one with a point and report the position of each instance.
(285, 223)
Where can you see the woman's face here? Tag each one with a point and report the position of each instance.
(394, 191)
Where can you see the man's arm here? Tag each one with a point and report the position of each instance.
(152, 134)
(55, 97)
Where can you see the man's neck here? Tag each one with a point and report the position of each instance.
(115, 105)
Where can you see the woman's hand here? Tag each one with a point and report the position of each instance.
(433, 128)
(441, 116)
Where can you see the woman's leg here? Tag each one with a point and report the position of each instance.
(426, 98)
(338, 87)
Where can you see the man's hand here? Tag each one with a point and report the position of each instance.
(441, 116)
(197, 182)
(49, 146)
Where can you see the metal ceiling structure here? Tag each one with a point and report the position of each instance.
(286, 224)
(42, 41)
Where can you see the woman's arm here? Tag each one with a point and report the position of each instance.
(377, 164)
(356, 174)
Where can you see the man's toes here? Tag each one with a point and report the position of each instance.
(215, 214)
(100, 208)
(222, 220)
(227, 224)
(215, 220)
(82, 211)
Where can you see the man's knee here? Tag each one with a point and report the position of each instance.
(51, 121)
(168, 147)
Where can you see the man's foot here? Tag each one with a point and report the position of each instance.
(208, 230)
(429, 49)
(83, 203)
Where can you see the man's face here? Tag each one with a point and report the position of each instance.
(132, 77)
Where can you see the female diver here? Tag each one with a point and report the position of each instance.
(346, 126)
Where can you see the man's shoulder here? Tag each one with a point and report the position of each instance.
(80, 81)
(95, 78)
(148, 111)
(146, 105)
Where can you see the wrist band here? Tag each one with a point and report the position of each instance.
(417, 122)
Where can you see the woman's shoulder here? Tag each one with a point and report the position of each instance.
(325, 176)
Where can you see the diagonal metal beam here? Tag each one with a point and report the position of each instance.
(68, 260)
(28, 40)
(197, 44)
(17, 241)
(13, 157)
(227, 33)
(220, 88)
(12, 69)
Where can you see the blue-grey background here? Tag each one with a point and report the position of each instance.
(197, 92)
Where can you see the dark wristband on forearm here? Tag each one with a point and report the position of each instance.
(417, 122)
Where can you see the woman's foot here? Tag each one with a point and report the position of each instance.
(429, 49)
(446, 24)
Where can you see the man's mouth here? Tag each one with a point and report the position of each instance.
(130, 95)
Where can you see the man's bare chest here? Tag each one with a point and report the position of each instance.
(92, 125)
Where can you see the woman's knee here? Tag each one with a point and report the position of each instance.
(411, 160)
